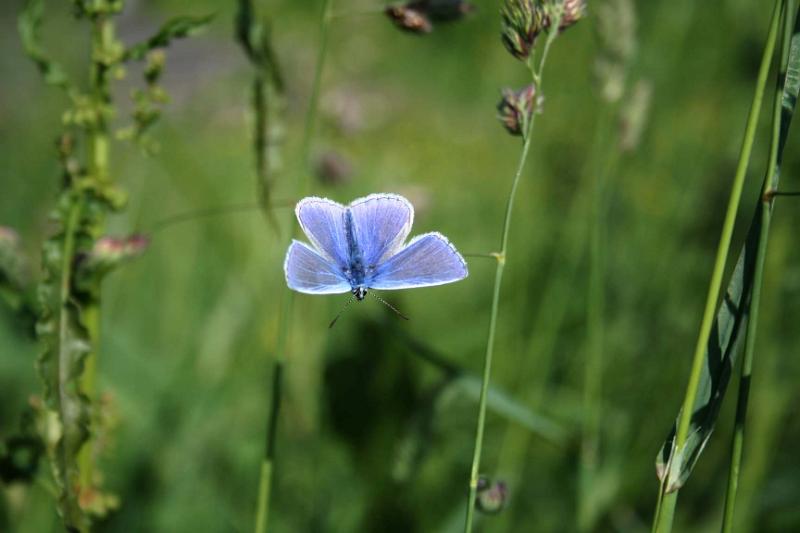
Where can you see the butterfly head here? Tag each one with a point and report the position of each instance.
(360, 293)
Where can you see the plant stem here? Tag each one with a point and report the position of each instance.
(765, 208)
(97, 140)
(313, 104)
(284, 320)
(71, 228)
(595, 302)
(666, 511)
(498, 280)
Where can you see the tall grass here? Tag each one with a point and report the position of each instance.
(785, 100)
(287, 296)
(536, 71)
(681, 459)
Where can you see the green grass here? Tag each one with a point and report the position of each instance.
(367, 440)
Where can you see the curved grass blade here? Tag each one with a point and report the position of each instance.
(733, 312)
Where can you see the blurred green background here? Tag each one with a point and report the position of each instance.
(376, 435)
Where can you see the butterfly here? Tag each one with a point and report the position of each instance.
(362, 246)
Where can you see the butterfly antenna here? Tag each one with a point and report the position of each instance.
(390, 306)
(333, 322)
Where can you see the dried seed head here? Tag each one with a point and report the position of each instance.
(409, 19)
(522, 21)
(491, 496)
(573, 11)
(616, 32)
(516, 109)
(417, 16)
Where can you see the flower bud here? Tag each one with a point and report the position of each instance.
(522, 21)
(409, 19)
(574, 10)
(108, 253)
(491, 496)
(418, 16)
(516, 109)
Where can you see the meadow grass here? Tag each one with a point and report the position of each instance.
(591, 314)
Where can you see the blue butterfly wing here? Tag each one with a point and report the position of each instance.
(323, 223)
(427, 260)
(382, 223)
(307, 271)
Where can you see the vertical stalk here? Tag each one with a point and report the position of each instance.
(68, 451)
(662, 522)
(97, 140)
(765, 214)
(498, 280)
(267, 463)
(595, 303)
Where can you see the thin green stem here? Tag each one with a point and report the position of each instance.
(284, 320)
(98, 143)
(595, 302)
(664, 518)
(313, 104)
(498, 280)
(770, 182)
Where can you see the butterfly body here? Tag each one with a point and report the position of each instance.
(356, 271)
(361, 246)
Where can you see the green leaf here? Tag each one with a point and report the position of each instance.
(729, 328)
(66, 344)
(256, 41)
(29, 25)
(176, 28)
(503, 404)
(499, 402)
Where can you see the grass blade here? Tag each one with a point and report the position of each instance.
(788, 86)
(721, 351)
(719, 338)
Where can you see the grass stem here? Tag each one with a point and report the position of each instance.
(498, 280)
(284, 320)
(765, 214)
(666, 511)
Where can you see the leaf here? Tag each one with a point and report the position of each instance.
(176, 28)
(256, 41)
(503, 404)
(729, 328)
(29, 25)
(498, 401)
(66, 343)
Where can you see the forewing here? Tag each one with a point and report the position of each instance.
(322, 221)
(307, 271)
(427, 260)
(382, 223)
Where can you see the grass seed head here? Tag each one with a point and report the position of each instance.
(522, 22)
(516, 109)
(491, 496)
(409, 19)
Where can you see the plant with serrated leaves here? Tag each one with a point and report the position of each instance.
(77, 256)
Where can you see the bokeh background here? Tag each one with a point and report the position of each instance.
(377, 428)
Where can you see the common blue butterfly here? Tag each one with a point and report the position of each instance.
(362, 246)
